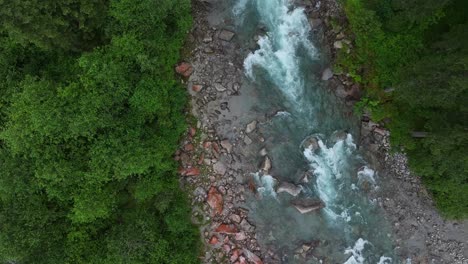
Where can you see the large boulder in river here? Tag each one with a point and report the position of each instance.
(290, 188)
(311, 143)
(305, 206)
(266, 166)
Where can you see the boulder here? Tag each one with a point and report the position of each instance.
(185, 69)
(226, 35)
(219, 168)
(215, 200)
(251, 127)
(290, 188)
(311, 143)
(219, 87)
(194, 171)
(305, 206)
(327, 74)
(226, 145)
(247, 140)
(226, 229)
(214, 240)
(338, 44)
(197, 88)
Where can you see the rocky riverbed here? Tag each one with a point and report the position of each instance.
(216, 155)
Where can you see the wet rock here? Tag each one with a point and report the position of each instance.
(185, 69)
(226, 229)
(219, 168)
(266, 166)
(305, 206)
(315, 23)
(290, 188)
(226, 35)
(215, 200)
(263, 152)
(226, 145)
(327, 74)
(251, 127)
(311, 143)
(245, 225)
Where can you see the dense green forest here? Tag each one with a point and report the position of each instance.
(412, 59)
(90, 116)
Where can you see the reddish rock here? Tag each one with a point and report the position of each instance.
(240, 236)
(226, 229)
(227, 248)
(192, 131)
(189, 147)
(214, 240)
(242, 260)
(184, 69)
(216, 147)
(197, 88)
(207, 145)
(235, 255)
(192, 172)
(215, 200)
(189, 171)
(202, 157)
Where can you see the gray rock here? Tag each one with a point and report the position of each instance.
(219, 87)
(247, 140)
(226, 35)
(219, 168)
(263, 152)
(327, 74)
(338, 44)
(305, 206)
(290, 188)
(226, 145)
(251, 127)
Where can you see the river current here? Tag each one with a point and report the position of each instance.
(311, 144)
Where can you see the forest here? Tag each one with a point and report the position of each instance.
(411, 57)
(90, 116)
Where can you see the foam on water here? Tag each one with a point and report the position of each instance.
(266, 184)
(287, 32)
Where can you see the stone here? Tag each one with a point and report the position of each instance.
(215, 200)
(252, 257)
(251, 127)
(245, 225)
(311, 143)
(185, 69)
(226, 145)
(207, 39)
(340, 91)
(263, 152)
(235, 218)
(214, 240)
(197, 88)
(219, 87)
(189, 147)
(194, 171)
(338, 44)
(315, 22)
(327, 74)
(235, 255)
(219, 168)
(290, 188)
(247, 140)
(226, 229)
(305, 206)
(266, 166)
(226, 35)
(240, 236)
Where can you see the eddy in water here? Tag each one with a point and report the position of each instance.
(317, 192)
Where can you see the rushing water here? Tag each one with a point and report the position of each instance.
(311, 145)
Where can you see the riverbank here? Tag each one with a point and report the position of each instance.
(216, 157)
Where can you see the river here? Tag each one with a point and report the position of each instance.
(311, 144)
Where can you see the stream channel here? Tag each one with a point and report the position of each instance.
(311, 145)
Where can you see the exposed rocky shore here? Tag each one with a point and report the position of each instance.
(214, 156)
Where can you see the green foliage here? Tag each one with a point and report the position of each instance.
(421, 49)
(87, 138)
